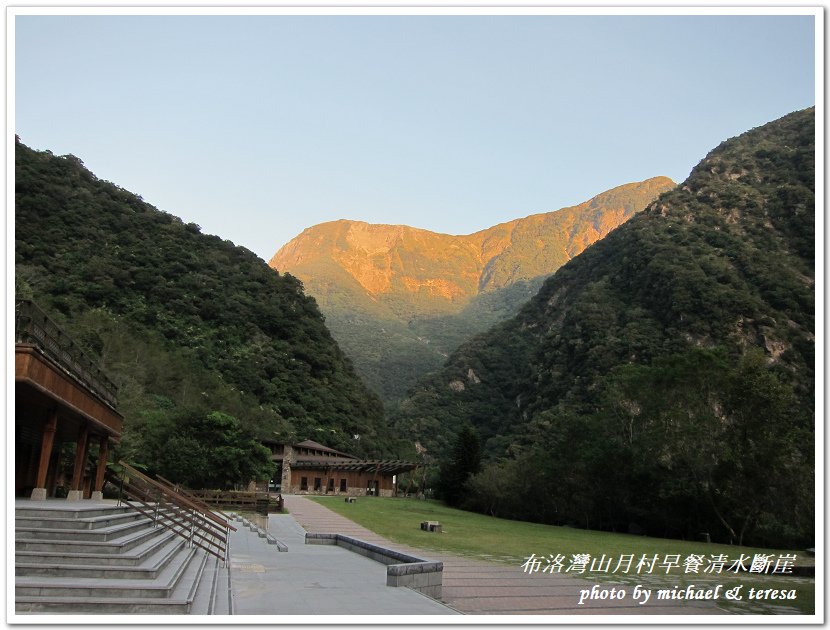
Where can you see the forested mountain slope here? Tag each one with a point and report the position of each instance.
(181, 319)
(664, 377)
(399, 299)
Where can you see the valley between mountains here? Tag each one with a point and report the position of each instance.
(399, 299)
(643, 361)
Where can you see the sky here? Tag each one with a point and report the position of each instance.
(257, 127)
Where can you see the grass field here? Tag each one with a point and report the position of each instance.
(512, 542)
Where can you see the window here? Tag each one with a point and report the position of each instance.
(331, 485)
(318, 483)
(303, 483)
(342, 485)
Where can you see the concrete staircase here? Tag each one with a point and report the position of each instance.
(85, 557)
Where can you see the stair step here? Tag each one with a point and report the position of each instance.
(153, 565)
(222, 594)
(110, 532)
(120, 545)
(97, 605)
(131, 557)
(65, 522)
(161, 586)
(204, 598)
(57, 509)
(213, 594)
(111, 560)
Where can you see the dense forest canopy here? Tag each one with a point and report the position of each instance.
(187, 324)
(665, 377)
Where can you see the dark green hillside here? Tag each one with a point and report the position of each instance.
(664, 377)
(390, 355)
(182, 318)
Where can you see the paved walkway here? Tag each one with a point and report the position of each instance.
(313, 579)
(480, 588)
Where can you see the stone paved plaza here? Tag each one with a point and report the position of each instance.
(476, 587)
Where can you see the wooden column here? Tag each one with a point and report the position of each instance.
(54, 470)
(45, 455)
(80, 461)
(103, 451)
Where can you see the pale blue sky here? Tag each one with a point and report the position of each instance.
(258, 127)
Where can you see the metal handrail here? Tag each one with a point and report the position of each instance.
(173, 520)
(197, 524)
(193, 498)
(33, 326)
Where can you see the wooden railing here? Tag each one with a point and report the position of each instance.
(192, 520)
(259, 502)
(33, 326)
(193, 498)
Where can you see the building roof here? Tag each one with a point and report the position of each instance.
(319, 447)
(329, 458)
(355, 465)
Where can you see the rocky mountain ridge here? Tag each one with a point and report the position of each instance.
(383, 259)
(399, 299)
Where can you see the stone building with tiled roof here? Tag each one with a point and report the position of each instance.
(312, 468)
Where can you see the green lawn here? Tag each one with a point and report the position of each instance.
(512, 542)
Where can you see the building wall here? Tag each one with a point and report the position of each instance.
(356, 482)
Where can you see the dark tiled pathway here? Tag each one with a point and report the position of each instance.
(482, 588)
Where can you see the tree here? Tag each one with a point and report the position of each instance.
(176, 313)
(204, 450)
(465, 461)
(717, 441)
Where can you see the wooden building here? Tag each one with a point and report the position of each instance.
(61, 396)
(311, 468)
